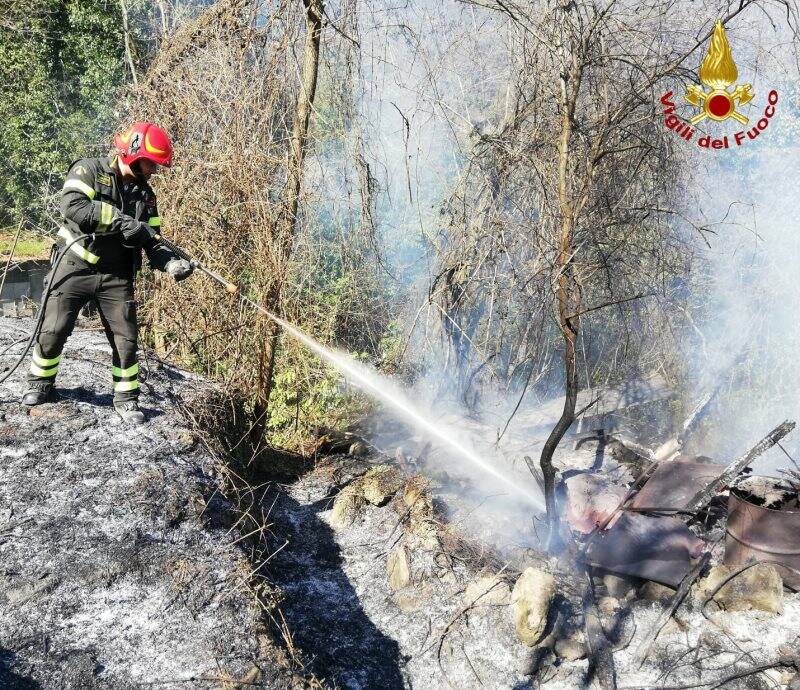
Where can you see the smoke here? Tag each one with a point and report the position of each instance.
(431, 70)
(746, 288)
(449, 438)
(431, 74)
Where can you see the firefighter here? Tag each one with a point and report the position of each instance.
(109, 198)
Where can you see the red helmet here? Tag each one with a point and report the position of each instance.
(144, 140)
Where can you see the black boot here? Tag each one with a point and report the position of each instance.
(38, 392)
(129, 411)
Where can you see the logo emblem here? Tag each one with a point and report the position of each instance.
(136, 144)
(718, 72)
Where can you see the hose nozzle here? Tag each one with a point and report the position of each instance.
(229, 287)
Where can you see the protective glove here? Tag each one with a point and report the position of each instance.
(179, 269)
(135, 233)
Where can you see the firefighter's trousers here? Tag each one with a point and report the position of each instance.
(75, 284)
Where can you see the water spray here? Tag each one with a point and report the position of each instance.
(369, 380)
(382, 388)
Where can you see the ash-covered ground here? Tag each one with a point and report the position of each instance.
(375, 587)
(123, 565)
(118, 566)
(425, 630)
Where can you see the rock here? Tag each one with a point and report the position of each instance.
(186, 440)
(530, 664)
(380, 483)
(653, 591)
(618, 587)
(607, 605)
(251, 677)
(414, 491)
(412, 599)
(794, 683)
(421, 517)
(530, 604)
(358, 449)
(757, 588)
(347, 506)
(490, 590)
(571, 649)
(426, 530)
(398, 567)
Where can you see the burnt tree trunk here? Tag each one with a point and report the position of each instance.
(287, 219)
(567, 293)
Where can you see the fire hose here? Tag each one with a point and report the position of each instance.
(229, 287)
(45, 296)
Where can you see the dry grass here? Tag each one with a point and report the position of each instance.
(224, 89)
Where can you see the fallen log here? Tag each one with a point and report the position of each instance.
(673, 446)
(702, 497)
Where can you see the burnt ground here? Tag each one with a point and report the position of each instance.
(322, 606)
(118, 566)
(360, 633)
(123, 565)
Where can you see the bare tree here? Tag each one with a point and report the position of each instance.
(287, 217)
(224, 88)
(576, 190)
(128, 43)
(228, 87)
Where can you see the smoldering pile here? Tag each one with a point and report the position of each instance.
(705, 537)
(665, 549)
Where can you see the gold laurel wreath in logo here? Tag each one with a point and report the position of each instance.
(718, 71)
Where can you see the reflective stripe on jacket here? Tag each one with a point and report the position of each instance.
(94, 198)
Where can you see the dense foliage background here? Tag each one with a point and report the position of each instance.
(441, 162)
(61, 66)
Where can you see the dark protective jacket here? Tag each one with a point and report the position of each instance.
(97, 199)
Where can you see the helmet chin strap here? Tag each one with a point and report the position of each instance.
(136, 169)
(132, 171)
